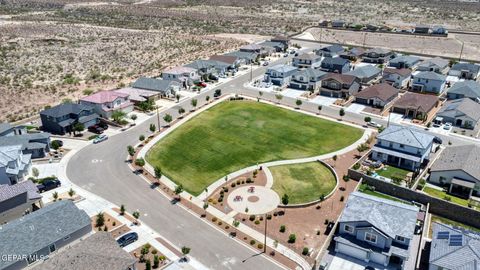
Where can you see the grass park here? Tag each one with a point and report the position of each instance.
(236, 134)
(304, 182)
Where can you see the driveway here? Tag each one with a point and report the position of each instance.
(324, 101)
(292, 93)
(344, 262)
(355, 108)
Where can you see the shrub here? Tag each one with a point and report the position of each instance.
(283, 228)
(252, 217)
(326, 221)
(148, 265)
(238, 182)
(233, 185)
(292, 238)
(269, 216)
(356, 166)
(260, 246)
(249, 180)
(114, 223)
(342, 198)
(257, 222)
(156, 262)
(220, 223)
(252, 242)
(227, 227)
(447, 198)
(305, 251)
(154, 251)
(214, 219)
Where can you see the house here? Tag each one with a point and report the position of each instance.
(35, 144)
(463, 113)
(330, 51)
(37, 235)
(336, 65)
(246, 57)
(338, 23)
(403, 147)
(377, 230)
(377, 95)
(429, 81)
(6, 130)
(437, 64)
(166, 88)
(18, 200)
(282, 39)
(207, 68)
(62, 118)
(468, 71)
(377, 56)
(457, 169)
(233, 61)
(365, 74)
(137, 95)
(415, 105)
(280, 74)
(14, 164)
(404, 61)
(339, 85)
(464, 89)
(307, 79)
(262, 51)
(423, 29)
(186, 76)
(353, 54)
(84, 255)
(398, 78)
(276, 45)
(307, 60)
(453, 248)
(104, 103)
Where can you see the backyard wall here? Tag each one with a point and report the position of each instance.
(437, 206)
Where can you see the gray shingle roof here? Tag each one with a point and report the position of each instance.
(466, 66)
(437, 61)
(461, 107)
(365, 71)
(41, 228)
(243, 55)
(430, 75)
(10, 191)
(391, 218)
(470, 89)
(333, 48)
(308, 56)
(5, 127)
(97, 252)
(310, 72)
(282, 68)
(335, 61)
(407, 59)
(9, 153)
(153, 84)
(406, 136)
(464, 157)
(26, 140)
(462, 257)
(64, 109)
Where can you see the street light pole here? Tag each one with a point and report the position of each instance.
(251, 72)
(158, 119)
(265, 239)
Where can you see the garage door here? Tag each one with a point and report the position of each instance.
(377, 258)
(361, 100)
(352, 251)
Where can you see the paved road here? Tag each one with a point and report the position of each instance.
(110, 178)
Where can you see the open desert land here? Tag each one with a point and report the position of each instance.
(62, 49)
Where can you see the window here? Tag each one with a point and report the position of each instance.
(52, 248)
(402, 146)
(348, 228)
(370, 237)
(400, 238)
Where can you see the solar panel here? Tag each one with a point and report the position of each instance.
(443, 235)
(456, 240)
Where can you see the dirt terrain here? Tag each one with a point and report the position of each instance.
(52, 50)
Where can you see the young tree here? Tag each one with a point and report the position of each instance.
(319, 109)
(55, 196)
(177, 97)
(167, 118)
(193, 102)
(100, 220)
(78, 127)
(298, 103)
(118, 116)
(35, 172)
(205, 206)
(367, 119)
(181, 111)
(178, 189)
(207, 98)
(185, 252)
(122, 210)
(136, 215)
(285, 199)
(131, 151)
(55, 144)
(71, 192)
(133, 117)
(158, 172)
(341, 113)
(278, 97)
(152, 127)
(141, 138)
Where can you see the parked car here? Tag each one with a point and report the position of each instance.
(100, 138)
(103, 125)
(202, 84)
(374, 124)
(127, 239)
(96, 129)
(437, 140)
(323, 266)
(266, 63)
(447, 126)
(369, 268)
(217, 93)
(285, 55)
(48, 185)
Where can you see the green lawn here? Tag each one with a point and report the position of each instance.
(391, 171)
(364, 189)
(303, 182)
(235, 134)
(441, 195)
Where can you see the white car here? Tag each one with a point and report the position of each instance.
(374, 124)
(447, 126)
(100, 138)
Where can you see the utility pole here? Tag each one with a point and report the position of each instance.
(158, 119)
(461, 52)
(389, 113)
(364, 38)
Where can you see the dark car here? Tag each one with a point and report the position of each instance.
(217, 93)
(48, 185)
(369, 268)
(96, 129)
(127, 239)
(437, 140)
(103, 125)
